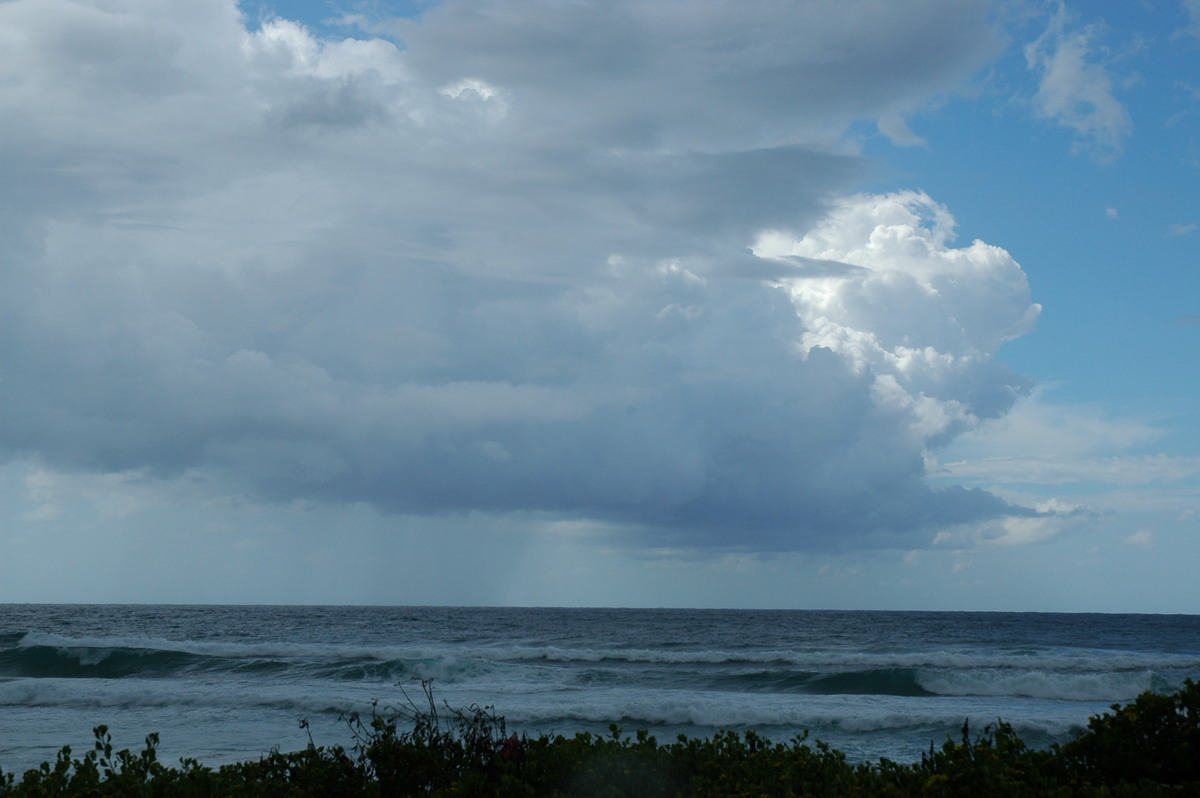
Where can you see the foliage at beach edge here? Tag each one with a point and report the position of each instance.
(1150, 747)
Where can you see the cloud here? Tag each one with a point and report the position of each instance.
(1049, 520)
(1112, 470)
(708, 74)
(1192, 7)
(1143, 537)
(107, 495)
(923, 318)
(1182, 229)
(1049, 446)
(1038, 427)
(898, 132)
(1083, 471)
(501, 267)
(1076, 88)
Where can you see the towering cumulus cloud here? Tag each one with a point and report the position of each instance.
(584, 260)
(877, 283)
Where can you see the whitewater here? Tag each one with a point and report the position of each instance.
(225, 683)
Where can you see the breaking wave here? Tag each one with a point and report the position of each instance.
(861, 681)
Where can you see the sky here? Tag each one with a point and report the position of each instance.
(697, 303)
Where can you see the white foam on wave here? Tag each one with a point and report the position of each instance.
(423, 662)
(1108, 686)
(1068, 660)
(793, 714)
(217, 648)
(136, 694)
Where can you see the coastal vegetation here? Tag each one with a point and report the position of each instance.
(1150, 747)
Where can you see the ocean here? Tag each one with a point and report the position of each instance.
(227, 683)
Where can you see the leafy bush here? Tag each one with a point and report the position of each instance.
(1148, 748)
(1154, 740)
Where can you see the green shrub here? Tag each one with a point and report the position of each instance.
(1154, 740)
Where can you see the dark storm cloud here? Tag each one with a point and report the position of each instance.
(504, 269)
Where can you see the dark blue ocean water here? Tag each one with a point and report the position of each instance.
(230, 683)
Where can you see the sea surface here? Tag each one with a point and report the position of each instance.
(225, 683)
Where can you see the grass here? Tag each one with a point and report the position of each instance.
(1150, 747)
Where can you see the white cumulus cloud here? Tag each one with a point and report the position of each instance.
(922, 318)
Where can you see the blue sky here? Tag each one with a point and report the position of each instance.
(683, 303)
